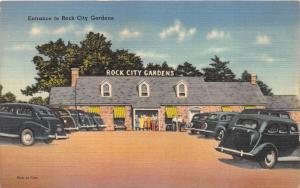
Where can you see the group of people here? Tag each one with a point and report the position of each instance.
(144, 122)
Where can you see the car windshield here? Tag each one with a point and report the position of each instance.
(247, 123)
(212, 116)
(45, 113)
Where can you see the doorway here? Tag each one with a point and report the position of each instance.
(146, 119)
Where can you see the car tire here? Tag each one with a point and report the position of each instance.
(220, 134)
(27, 137)
(268, 159)
(48, 141)
(236, 158)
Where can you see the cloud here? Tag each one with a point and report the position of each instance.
(127, 33)
(263, 40)
(37, 30)
(21, 47)
(151, 55)
(178, 30)
(216, 50)
(216, 34)
(266, 58)
(63, 30)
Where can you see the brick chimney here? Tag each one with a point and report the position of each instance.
(74, 76)
(253, 79)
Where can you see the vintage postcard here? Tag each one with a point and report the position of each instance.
(153, 94)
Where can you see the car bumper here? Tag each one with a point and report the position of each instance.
(56, 136)
(234, 152)
(72, 128)
(203, 131)
(88, 126)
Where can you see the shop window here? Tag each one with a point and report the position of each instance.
(106, 89)
(119, 113)
(144, 89)
(181, 89)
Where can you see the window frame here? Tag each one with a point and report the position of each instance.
(147, 89)
(178, 92)
(109, 89)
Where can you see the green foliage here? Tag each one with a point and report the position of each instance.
(7, 97)
(155, 66)
(93, 56)
(187, 69)
(39, 101)
(246, 77)
(218, 71)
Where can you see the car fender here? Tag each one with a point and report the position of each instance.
(220, 126)
(258, 151)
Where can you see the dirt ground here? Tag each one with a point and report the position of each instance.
(134, 160)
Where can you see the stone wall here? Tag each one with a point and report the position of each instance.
(295, 115)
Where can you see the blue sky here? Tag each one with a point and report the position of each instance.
(262, 37)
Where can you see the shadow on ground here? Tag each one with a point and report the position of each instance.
(16, 142)
(247, 164)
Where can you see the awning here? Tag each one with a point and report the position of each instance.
(226, 108)
(119, 112)
(250, 107)
(94, 109)
(171, 111)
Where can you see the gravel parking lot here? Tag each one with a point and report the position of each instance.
(134, 159)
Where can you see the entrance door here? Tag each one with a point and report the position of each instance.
(145, 120)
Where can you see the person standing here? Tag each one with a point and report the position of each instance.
(137, 123)
(142, 122)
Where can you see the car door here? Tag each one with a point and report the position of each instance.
(212, 121)
(7, 119)
(23, 114)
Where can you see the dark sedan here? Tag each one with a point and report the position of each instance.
(65, 116)
(265, 139)
(216, 124)
(196, 122)
(29, 123)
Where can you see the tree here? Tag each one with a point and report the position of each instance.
(39, 101)
(93, 56)
(156, 66)
(246, 77)
(219, 71)
(187, 69)
(7, 97)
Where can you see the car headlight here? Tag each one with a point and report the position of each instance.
(65, 121)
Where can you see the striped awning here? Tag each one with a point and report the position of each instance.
(171, 111)
(226, 108)
(250, 107)
(119, 112)
(94, 109)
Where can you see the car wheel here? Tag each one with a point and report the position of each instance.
(268, 159)
(27, 137)
(220, 134)
(48, 141)
(236, 158)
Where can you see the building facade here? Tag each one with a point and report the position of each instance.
(156, 99)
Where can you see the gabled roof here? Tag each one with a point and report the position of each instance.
(283, 102)
(162, 92)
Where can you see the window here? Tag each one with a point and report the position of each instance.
(213, 117)
(226, 108)
(106, 89)
(247, 123)
(181, 89)
(24, 112)
(144, 89)
(6, 109)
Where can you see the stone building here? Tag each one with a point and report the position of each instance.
(129, 97)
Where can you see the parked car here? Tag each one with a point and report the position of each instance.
(265, 139)
(29, 123)
(66, 117)
(83, 120)
(215, 124)
(268, 112)
(98, 121)
(196, 122)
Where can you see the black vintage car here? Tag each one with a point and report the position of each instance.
(83, 120)
(265, 139)
(196, 122)
(268, 112)
(66, 118)
(97, 121)
(29, 123)
(215, 124)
